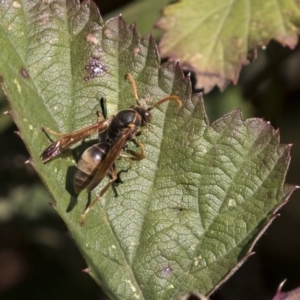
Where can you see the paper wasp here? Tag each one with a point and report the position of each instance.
(98, 161)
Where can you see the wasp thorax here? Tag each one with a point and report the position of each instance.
(133, 117)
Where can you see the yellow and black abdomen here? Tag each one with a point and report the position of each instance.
(87, 165)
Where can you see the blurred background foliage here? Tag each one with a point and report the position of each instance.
(39, 260)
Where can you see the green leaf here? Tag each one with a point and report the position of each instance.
(187, 216)
(143, 13)
(215, 38)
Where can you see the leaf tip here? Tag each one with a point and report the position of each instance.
(9, 113)
(18, 133)
(281, 286)
(121, 20)
(193, 296)
(28, 161)
(146, 37)
(53, 205)
(133, 27)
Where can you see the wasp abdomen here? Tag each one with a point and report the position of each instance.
(87, 164)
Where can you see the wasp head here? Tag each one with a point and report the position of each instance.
(144, 114)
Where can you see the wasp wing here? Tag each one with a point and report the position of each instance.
(114, 152)
(69, 139)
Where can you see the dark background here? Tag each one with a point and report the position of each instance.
(39, 261)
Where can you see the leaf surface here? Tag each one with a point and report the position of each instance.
(216, 38)
(187, 215)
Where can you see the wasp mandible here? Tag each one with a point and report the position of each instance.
(114, 132)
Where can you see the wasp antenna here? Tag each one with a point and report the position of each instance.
(133, 84)
(169, 98)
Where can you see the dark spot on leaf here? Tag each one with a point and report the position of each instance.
(95, 68)
(1, 79)
(107, 32)
(24, 73)
(167, 271)
(91, 39)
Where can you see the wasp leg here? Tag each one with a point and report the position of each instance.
(48, 130)
(100, 116)
(139, 132)
(114, 177)
(135, 155)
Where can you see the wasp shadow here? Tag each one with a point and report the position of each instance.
(118, 181)
(74, 197)
(70, 187)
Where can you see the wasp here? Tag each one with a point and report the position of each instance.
(114, 133)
